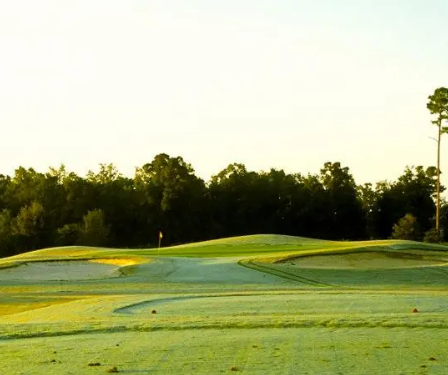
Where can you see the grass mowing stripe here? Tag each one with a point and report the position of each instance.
(289, 274)
(286, 275)
(159, 301)
(440, 271)
(311, 281)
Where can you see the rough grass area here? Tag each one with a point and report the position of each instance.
(261, 304)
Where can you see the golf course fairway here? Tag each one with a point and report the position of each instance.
(259, 304)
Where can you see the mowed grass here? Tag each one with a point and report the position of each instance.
(268, 333)
(273, 247)
(14, 305)
(262, 304)
(215, 351)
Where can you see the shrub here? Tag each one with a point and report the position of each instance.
(94, 231)
(67, 235)
(432, 236)
(406, 229)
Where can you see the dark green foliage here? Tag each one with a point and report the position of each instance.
(438, 105)
(94, 230)
(60, 208)
(431, 236)
(6, 236)
(413, 193)
(406, 229)
(346, 218)
(68, 235)
(173, 200)
(444, 221)
(28, 226)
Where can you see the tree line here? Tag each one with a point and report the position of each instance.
(60, 208)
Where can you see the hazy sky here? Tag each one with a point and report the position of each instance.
(288, 84)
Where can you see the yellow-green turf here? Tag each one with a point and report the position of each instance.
(262, 304)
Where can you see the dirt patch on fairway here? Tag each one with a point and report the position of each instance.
(366, 260)
(60, 270)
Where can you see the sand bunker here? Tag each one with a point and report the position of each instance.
(367, 260)
(60, 270)
(115, 261)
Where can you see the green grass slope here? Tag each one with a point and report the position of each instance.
(262, 304)
(272, 247)
(269, 258)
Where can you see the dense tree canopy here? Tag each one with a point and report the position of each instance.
(105, 208)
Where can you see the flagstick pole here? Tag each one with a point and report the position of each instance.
(160, 240)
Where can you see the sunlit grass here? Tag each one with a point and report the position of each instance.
(10, 306)
(240, 303)
(275, 247)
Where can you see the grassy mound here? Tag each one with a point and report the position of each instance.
(265, 247)
(255, 239)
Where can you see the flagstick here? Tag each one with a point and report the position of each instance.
(160, 240)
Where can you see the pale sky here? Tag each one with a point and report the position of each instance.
(287, 84)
